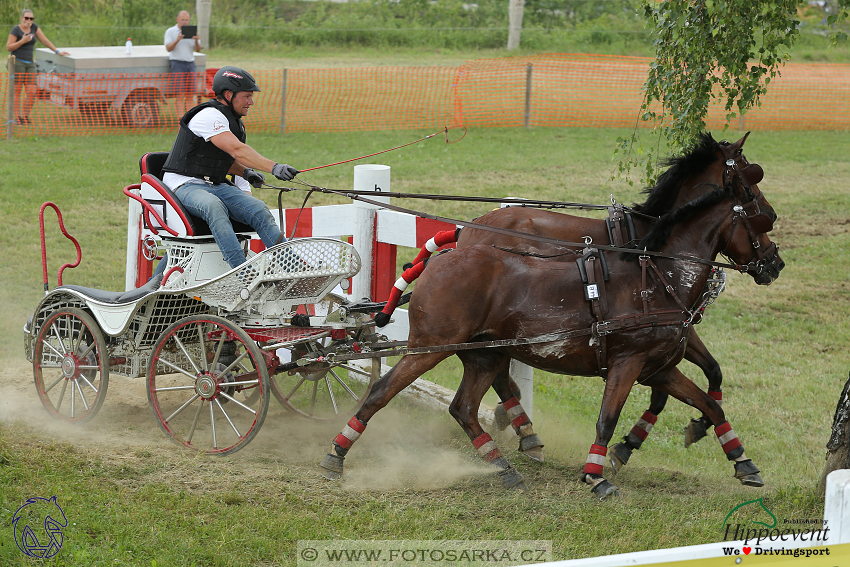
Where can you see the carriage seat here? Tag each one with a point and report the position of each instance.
(163, 199)
(116, 297)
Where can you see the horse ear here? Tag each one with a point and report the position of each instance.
(740, 143)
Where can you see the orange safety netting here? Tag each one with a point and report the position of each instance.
(543, 90)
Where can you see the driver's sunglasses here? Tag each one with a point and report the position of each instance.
(28, 18)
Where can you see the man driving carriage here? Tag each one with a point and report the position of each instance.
(210, 145)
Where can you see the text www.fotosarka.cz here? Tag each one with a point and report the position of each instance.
(322, 553)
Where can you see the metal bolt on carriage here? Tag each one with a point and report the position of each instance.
(212, 342)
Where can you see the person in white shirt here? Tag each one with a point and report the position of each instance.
(210, 145)
(181, 55)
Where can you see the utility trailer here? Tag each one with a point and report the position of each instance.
(96, 81)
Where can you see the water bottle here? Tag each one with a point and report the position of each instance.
(128, 47)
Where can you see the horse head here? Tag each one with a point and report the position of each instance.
(752, 216)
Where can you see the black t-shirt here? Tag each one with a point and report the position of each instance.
(26, 51)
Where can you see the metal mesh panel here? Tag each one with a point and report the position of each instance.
(158, 314)
(273, 283)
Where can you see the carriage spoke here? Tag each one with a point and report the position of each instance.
(61, 377)
(80, 392)
(89, 384)
(47, 343)
(235, 401)
(313, 399)
(343, 384)
(62, 397)
(203, 346)
(59, 338)
(295, 389)
(188, 357)
(195, 420)
(181, 408)
(331, 394)
(218, 349)
(177, 368)
(212, 423)
(352, 368)
(227, 417)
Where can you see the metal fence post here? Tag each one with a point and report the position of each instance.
(283, 104)
(528, 95)
(10, 109)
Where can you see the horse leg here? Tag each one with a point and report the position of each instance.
(500, 414)
(530, 444)
(408, 369)
(699, 355)
(621, 377)
(621, 452)
(680, 387)
(479, 371)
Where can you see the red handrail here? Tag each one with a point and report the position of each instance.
(44, 245)
(148, 210)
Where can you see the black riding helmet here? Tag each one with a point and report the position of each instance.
(235, 80)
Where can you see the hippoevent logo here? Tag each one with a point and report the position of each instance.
(760, 533)
(38, 527)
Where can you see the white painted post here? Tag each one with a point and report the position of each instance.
(367, 177)
(134, 212)
(836, 511)
(523, 375)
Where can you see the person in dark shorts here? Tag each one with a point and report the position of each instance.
(181, 54)
(21, 44)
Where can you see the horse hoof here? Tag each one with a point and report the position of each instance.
(512, 479)
(535, 454)
(532, 447)
(332, 467)
(605, 489)
(748, 473)
(620, 454)
(695, 431)
(500, 416)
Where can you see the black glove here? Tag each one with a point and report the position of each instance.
(255, 178)
(284, 172)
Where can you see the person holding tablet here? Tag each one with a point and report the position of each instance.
(181, 53)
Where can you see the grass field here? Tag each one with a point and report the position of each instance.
(132, 498)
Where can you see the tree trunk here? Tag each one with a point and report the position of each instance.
(515, 9)
(838, 447)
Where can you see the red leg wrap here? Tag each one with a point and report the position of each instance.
(486, 447)
(595, 459)
(728, 440)
(515, 413)
(350, 433)
(644, 425)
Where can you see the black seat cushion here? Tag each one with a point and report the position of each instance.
(152, 163)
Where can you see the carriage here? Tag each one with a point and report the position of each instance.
(213, 343)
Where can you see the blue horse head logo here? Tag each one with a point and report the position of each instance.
(39, 513)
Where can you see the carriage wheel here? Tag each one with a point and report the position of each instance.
(324, 391)
(208, 385)
(68, 365)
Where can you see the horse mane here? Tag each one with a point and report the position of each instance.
(657, 237)
(696, 159)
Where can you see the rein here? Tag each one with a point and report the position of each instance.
(358, 196)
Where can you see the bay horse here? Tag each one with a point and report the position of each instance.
(563, 317)
(704, 160)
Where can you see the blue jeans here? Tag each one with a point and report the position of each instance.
(217, 204)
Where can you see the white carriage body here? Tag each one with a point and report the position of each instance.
(265, 291)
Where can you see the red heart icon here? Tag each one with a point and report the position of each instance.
(747, 550)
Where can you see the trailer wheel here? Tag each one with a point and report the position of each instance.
(140, 111)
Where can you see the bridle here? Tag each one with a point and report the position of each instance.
(755, 220)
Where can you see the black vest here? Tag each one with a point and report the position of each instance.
(193, 157)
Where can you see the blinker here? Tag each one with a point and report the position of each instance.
(752, 174)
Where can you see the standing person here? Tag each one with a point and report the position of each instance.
(210, 145)
(21, 44)
(181, 54)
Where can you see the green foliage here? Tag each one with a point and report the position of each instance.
(707, 51)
